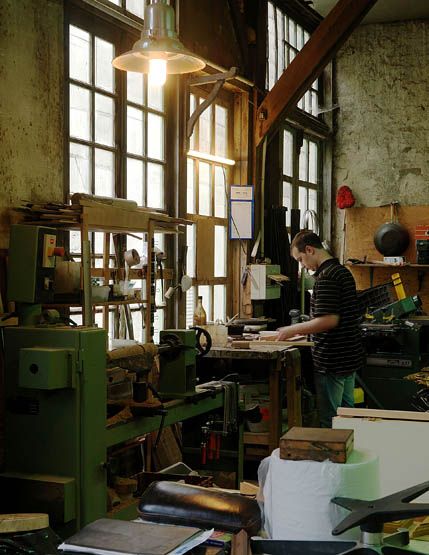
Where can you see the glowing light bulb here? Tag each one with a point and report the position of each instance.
(157, 71)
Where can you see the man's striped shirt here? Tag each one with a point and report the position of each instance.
(339, 350)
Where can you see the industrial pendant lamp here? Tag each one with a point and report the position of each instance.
(159, 51)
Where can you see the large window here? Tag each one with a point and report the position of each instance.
(208, 174)
(301, 180)
(117, 125)
(285, 38)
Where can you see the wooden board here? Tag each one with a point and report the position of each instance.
(385, 414)
(23, 522)
(361, 224)
(316, 444)
(291, 343)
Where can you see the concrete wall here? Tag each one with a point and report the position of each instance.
(381, 145)
(31, 104)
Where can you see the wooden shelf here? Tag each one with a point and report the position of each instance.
(393, 266)
(139, 273)
(98, 303)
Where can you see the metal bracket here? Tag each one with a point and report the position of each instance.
(218, 79)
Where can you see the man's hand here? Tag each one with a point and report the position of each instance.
(285, 333)
(316, 325)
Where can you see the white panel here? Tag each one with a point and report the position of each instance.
(401, 446)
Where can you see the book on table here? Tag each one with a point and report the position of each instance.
(118, 537)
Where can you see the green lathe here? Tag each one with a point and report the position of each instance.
(56, 438)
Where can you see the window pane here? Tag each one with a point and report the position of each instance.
(287, 153)
(159, 241)
(220, 251)
(299, 37)
(158, 324)
(135, 170)
(272, 61)
(287, 200)
(136, 7)
(205, 129)
(219, 307)
(190, 306)
(80, 113)
(104, 72)
(104, 173)
(159, 295)
(135, 241)
(155, 185)
(312, 174)
(74, 242)
(314, 104)
(190, 253)
(204, 204)
(135, 87)
(204, 291)
(104, 120)
(280, 51)
(80, 169)
(139, 332)
(303, 161)
(220, 193)
(80, 48)
(155, 133)
(190, 187)
(292, 32)
(221, 136)
(155, 97)
(98, 243)
(134, 131)
(302, 201)
(312, 200)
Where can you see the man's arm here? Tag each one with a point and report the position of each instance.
(316, 325)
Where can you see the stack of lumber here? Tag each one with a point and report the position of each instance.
(50, 213)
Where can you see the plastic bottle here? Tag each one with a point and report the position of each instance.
(200, 316)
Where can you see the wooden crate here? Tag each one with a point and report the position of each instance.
(316, 444)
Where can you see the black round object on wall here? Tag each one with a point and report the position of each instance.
(391, 239)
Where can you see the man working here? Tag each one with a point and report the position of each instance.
(335, 315)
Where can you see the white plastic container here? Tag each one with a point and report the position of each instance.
(100, 293)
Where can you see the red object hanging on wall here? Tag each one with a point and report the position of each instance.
(345, 198)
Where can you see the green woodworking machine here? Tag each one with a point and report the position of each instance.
(56, 396)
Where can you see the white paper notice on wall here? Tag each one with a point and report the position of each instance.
(241, 212)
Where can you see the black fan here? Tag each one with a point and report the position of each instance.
(370, 516)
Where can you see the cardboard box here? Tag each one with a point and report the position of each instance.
(316, 444)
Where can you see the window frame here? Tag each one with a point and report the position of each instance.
(224, 99)
(101, 23)
(302, 123)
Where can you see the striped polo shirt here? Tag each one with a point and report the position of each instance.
(339, 350)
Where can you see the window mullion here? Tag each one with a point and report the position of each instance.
(92, 107)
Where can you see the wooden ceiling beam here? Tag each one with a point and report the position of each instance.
(306, 67)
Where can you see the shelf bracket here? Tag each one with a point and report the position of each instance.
(218, 79)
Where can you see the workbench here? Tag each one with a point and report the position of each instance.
(282, 368)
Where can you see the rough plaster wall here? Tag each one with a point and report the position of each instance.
(31, 104)
(381, 145)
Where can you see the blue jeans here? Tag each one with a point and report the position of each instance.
(332, 392)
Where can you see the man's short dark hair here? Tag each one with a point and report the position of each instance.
(304, 239)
